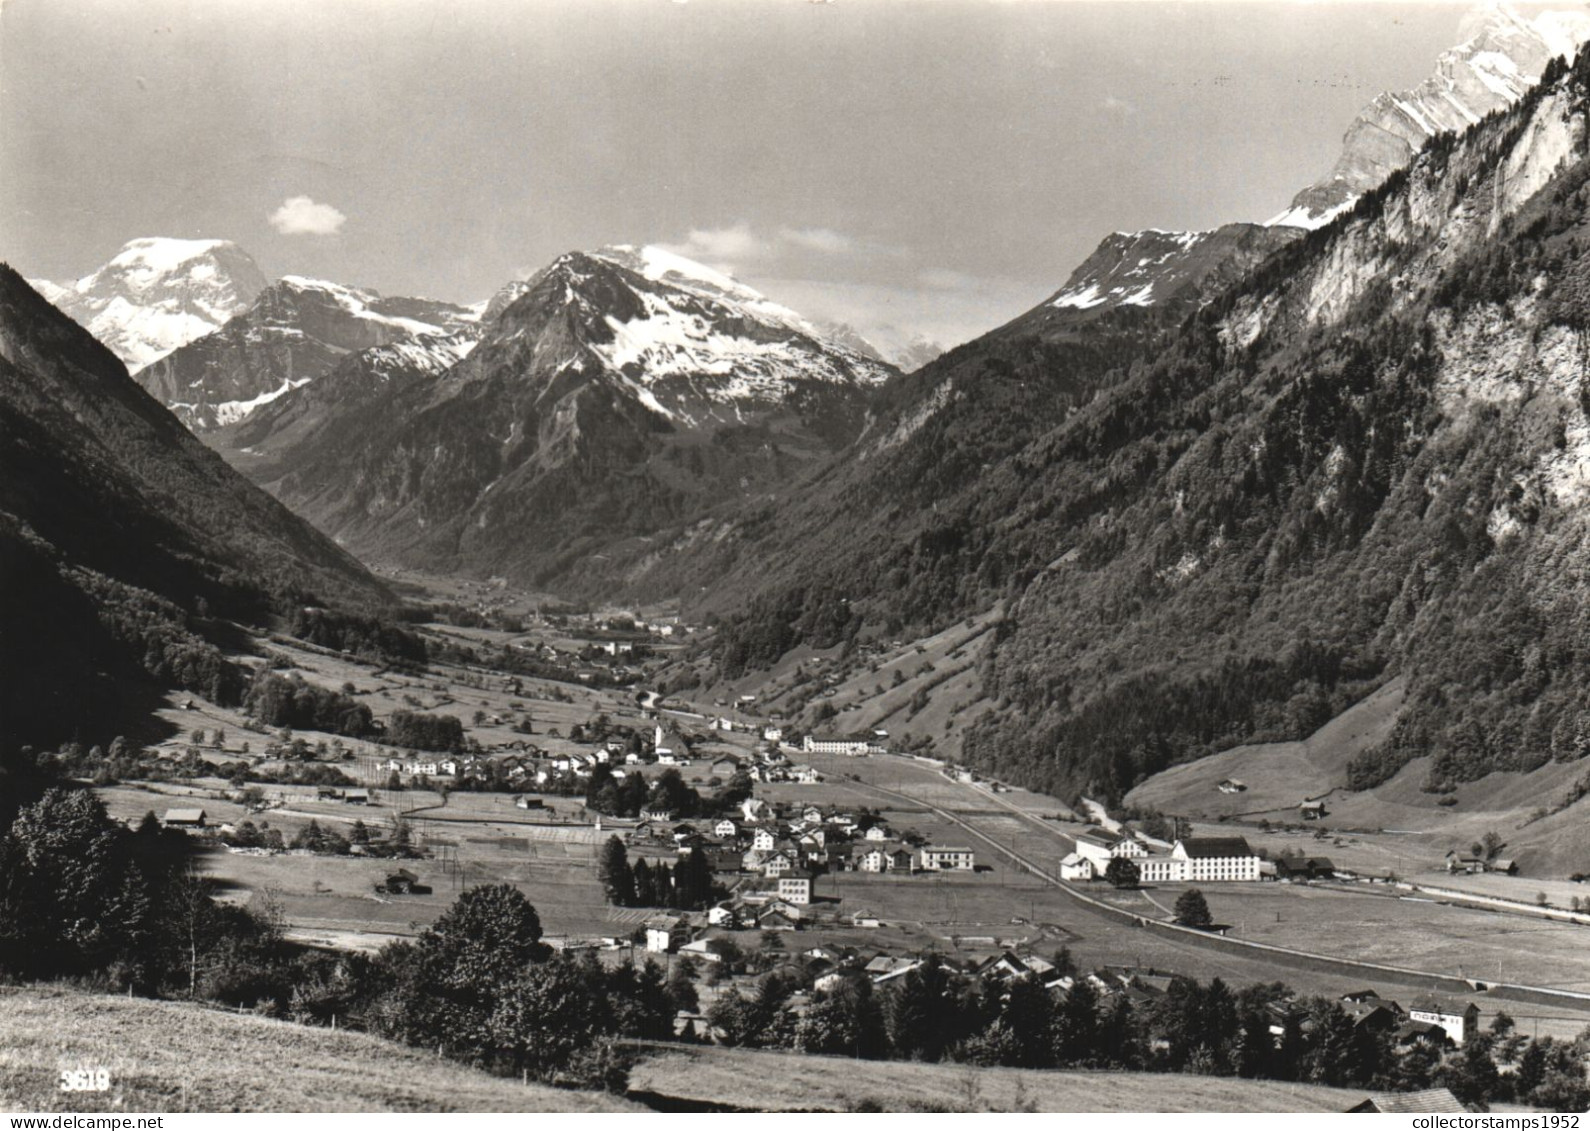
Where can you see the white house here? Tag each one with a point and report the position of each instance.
(939, 859)
(1459, 1021)
(772, 734)
(1078, 867)
(726, 828)
(1101, 846)
(763, 840)
(666, 933)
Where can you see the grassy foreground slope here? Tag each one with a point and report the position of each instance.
(775, 1081)
(169, 1056)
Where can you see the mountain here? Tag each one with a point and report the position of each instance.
(127, 546)
(886, 344)
(296, 330)
(158, 294)
(614, 395)
(1169, 270)
(1502, 54)
(1365, 459)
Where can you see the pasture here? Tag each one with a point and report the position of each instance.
(174, 1057)
(776, 1081)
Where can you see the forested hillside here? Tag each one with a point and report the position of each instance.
(126, 546)
(1368, 457)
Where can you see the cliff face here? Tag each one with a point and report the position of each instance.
(1502, 55)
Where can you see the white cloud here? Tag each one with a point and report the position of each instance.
(824, 240)
(301, 216)
(1120, 107)
(736, 244)
(739, 247)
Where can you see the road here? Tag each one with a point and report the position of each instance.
(1261, 951)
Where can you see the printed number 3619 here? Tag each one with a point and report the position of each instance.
(85, 1080)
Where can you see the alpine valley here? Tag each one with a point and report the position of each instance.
(628, 423)
(1122, 705)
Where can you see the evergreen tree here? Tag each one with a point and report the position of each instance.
(645, 884)
(618, 881)
(1192, 910)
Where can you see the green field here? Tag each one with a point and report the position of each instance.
(773, 1081)
(168, 1056)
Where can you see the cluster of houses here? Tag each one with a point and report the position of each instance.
(786, 842)
(1210, 859)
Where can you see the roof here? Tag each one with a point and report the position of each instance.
(795, 875)
(944, 848)
(184, 814)
(1407, 1103)
(1099, 836)
(1431, 1004)
(662, 923)
(1208, 847)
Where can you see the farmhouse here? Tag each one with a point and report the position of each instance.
(1311, 810)
(939, 859)
(666, 933)
(356, 797)
(403, 882)
(1430, 1100)
(184, 819)
(1101, 845)
(1077, 867)
(726, 828)
(872, 860)
(1459, 1021)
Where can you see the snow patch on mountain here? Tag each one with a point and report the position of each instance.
(157, 294)
(1502, 54)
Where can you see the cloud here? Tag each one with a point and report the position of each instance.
(300, 216)
(1120, 107)
(736, 244)
(740, 247)
(824, 240)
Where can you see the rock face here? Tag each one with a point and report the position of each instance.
(298, 329)
(158, 294)
(1501, 56)
(615, 394)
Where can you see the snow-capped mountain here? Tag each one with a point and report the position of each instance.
(157, 294)
(1155, 268)
(613, 394)
(295, 332)
(1502, 54)
(906, 352)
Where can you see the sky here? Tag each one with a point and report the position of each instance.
(933, 166)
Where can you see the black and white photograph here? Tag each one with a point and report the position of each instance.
(618, 557)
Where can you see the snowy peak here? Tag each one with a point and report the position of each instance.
(1501, 56)
(687, 342)
(296, 331)
(157, 294)
(1154, 268)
